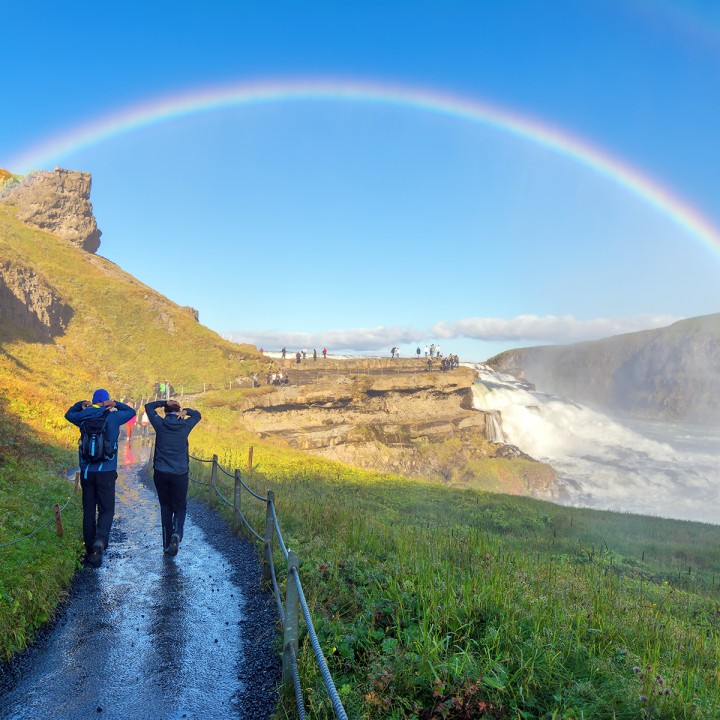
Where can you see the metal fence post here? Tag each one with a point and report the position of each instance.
(269, 534)
(236, 498)
(292, 610)
(213, 480)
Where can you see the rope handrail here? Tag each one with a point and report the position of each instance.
(37, 529)
(271, 516)
(276, 590)
(324, 670)
(231, 475)
(277, 530)
(299, 700)
(225, 472)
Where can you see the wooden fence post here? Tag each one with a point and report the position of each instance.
(290, 630)
(250, 456)
(213, 480)
(77, 481)
(58, 520)
(269, 534)
(236, 499)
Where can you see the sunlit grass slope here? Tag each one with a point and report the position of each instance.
(34, 572)
(439, 603)
(122, 333)
(431, 602)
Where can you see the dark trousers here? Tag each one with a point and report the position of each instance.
(98, 496)
(172, 494)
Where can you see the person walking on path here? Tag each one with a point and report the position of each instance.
(171, 466)
(100, 419)
(315, 354)
(144, 422)
(129, 427)
(324, 353)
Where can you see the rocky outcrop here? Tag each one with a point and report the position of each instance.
(671, 373)
(393, 418)
(57, 202)
(27, 301)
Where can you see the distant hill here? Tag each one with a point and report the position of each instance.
(671, 373)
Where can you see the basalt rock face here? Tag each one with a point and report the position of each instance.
(378, 421)
(27, 301)
(411, 423)
(671, 373)
(57, 202)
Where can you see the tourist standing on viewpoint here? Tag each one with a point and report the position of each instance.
(171, 466)
(99, 421)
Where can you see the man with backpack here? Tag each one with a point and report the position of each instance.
(99, 422)
(171, 466)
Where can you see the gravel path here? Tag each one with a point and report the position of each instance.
(149, 636)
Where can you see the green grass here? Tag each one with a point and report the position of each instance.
(34, 573)
(430, 601)
(439, 603)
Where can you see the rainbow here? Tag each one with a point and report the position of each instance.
(512, 123)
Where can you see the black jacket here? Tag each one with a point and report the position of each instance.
(171, 438)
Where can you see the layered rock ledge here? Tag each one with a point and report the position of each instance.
(391, 416)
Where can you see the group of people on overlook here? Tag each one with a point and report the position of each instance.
(432, 352)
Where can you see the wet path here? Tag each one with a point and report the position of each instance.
(149, 636)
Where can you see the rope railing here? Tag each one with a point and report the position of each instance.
(56, 518)
(294, 595)
(277, 531)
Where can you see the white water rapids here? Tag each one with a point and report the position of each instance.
(651, 468)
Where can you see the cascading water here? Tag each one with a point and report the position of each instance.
(656, 468)
(493, 427)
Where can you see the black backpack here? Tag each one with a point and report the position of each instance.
(94, 444)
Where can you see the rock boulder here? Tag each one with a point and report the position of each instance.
(58, 202)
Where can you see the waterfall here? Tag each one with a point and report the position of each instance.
(625, 464)
(493, 427)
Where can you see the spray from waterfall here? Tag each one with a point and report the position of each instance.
(615, 464)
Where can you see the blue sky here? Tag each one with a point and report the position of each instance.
(357, 225)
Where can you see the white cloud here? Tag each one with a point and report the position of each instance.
(361, 339)
(549, 329)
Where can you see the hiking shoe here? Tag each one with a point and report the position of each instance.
(174, 546)
(95, 557)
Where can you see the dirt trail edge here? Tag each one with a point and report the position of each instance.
(149, 636)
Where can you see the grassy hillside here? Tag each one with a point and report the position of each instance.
(439, 603)
(122, 333)
(431, 602)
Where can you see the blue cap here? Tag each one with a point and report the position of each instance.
(100, 396)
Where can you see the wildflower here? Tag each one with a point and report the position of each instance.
(659, 680)
(643, 698)
(636, 669)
